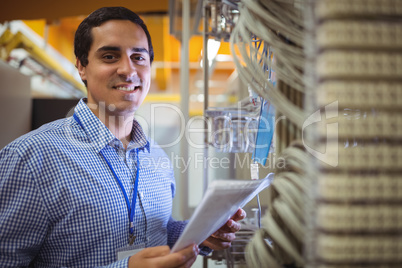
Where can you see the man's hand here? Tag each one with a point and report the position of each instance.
(160, 257)
(223, 238)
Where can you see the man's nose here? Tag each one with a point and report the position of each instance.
(126, 67)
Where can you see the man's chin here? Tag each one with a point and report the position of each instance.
(125, 109)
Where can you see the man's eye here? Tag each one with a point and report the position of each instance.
(109, 57)
(138, 58)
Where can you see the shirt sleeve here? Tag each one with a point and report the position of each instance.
(175, 228)
(23, 218)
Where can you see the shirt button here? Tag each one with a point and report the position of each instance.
(141, 195)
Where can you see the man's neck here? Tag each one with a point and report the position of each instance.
(119, 125)
(121, 128)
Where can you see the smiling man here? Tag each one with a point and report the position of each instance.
(117, 72)
(74, 192)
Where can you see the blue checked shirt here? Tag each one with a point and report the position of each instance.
(61, 204)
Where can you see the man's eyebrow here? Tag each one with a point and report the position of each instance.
(108, 48)
(115, 48)
(139, 49)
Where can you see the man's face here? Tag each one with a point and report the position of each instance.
(118, 72)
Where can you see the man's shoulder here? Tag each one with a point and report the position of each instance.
(155, 148)
(47, 135)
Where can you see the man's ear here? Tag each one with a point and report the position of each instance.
(81, 70)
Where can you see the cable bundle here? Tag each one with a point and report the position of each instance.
(279, 25)
(280, 241)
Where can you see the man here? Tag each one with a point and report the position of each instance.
(74, 192)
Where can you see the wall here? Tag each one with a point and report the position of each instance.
(15, 104)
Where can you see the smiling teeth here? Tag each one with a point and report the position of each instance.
(126, 88)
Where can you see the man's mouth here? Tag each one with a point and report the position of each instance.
(127, 88)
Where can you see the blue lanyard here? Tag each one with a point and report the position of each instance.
(131, 210)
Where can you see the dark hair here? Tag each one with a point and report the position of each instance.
(83, 35)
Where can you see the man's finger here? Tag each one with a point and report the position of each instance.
(179, 258)
(226, 237)
(239, 215)
(216, 244)
(230, 227)
(155, 252)
(190, 262)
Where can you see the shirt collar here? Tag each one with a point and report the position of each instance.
(100, 136)
(138, 138)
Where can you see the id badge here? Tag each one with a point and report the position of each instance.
(129, 251)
